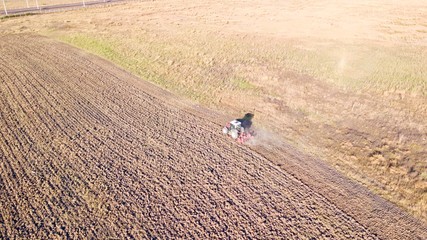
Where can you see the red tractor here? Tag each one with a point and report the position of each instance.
(239, 129)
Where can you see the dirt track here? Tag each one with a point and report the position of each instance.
(89, 150)
(55, 7)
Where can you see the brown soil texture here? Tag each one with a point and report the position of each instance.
(90, 151)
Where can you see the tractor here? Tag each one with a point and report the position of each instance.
(239, 129)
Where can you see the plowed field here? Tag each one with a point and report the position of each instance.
(90, 151)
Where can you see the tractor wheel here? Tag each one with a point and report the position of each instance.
(225, 130)
(234, 134)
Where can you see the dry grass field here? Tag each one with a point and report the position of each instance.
(343, 81)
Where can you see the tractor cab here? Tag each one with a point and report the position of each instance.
(235, 125)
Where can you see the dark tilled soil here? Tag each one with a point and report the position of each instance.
(90, 151)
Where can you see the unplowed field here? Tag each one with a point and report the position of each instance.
(90, 151)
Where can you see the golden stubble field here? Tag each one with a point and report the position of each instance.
(342, 80)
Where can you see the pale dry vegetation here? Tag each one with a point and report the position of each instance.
(343, 81)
